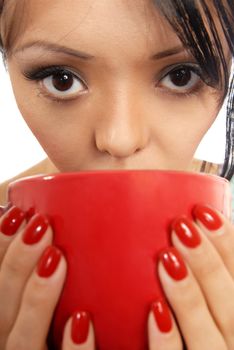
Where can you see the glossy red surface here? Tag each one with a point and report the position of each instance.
(48, 262)
(207, 217)
(35, 229)
(162, 316)
(173, 263)
(111, 226)
(186, 231)
(80, 327)
(12, 221)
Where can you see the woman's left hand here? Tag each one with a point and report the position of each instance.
(197, 275)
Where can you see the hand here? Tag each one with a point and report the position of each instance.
(199, 291)
(29, 292)
(197, 276)
(32, 273)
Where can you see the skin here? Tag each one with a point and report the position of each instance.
(126, 117)
(123, 121)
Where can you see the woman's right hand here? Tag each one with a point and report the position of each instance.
(32, 274)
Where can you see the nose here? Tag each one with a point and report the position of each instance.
(121, 131)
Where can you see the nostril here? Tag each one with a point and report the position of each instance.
(120, 153)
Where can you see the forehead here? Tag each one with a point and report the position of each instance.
(133, 25)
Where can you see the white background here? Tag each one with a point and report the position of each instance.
(19, 149)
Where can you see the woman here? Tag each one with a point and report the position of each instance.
(120, 85)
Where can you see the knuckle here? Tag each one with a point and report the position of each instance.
(209, 266)
(5, 325)
(193, 301)
(15, 343)
(220, 346)
(227, 326)
(34, 301)
(10, 267)
(188, 297)
(37, 294)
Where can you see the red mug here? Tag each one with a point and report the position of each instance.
(111, 226)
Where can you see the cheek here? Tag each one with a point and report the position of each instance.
(183, 124)
(61, 131)
(176, 126)
(63, 138)
(66, 141)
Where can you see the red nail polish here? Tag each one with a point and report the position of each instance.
(30, 213)
(48, 262)
(35, 229)
(80, 327)
(173, 263)
(162, 315)
(12, 221)
(186, 232)
(208, 217)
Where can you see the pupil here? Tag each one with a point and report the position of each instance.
(62, 81)
(181, 77)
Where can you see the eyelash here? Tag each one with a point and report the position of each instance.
(193, 67)
(40, 73)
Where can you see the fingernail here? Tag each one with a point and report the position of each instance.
(208, 217)
(162, 315)
(48, 261)
(173, 263)
(35, 229)
(12, 221)
(186, 232)
(80, 327)
(30, 213)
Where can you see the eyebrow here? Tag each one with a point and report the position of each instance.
(55, 48)
(170, 52)
(85, 56)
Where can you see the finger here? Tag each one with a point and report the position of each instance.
(3, 209)
(79, 332)
(163, 332)
(18, 264)
(187, 301)
(39, 300)
(11, 222)
(220, 232)
(211, 274)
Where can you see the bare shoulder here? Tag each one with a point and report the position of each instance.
(44, 167)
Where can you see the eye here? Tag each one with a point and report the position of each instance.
(63, 84)
(57, 82)
(182, 79)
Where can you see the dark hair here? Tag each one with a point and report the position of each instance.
(189, 18)
(194, 23)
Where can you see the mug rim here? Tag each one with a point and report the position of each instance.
(65, 175)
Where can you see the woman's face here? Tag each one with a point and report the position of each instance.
(110, 99)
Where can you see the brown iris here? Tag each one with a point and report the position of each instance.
(62, 81)
(180, 77)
